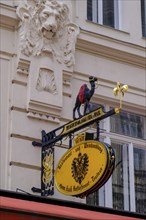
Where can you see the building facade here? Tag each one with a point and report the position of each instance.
(42, 69)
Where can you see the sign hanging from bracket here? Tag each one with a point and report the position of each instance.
(87, 165)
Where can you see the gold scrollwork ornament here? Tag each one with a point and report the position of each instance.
(48, 169)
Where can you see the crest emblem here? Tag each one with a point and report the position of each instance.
(80, 167)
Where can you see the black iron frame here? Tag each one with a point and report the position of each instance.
(49, 139)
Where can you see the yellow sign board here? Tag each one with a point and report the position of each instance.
(81, 168)
(83, 120)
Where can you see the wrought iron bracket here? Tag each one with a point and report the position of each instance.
(49, 139)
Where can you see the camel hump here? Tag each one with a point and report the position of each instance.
(81, 93)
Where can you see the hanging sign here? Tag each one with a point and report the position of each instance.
(82, 167)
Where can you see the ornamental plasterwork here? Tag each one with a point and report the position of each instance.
(46, 81)
(45, 27)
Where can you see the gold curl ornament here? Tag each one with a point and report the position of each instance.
(48, 168)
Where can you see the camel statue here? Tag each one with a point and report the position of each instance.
(84, 97)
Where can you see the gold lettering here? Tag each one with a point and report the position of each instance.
(84, 119)
(62, 187)
(78, 188)
(93, 145)
(69, 188)
(97, 175)
(64, 159)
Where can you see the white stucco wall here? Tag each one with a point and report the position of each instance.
(111, 55)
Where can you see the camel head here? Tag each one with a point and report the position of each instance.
(92, 79)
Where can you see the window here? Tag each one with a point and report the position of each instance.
(103, 12)
(140, 179)
(126, 188)
(129, 124)
(93, 199)
(143, 17)
(120, 178)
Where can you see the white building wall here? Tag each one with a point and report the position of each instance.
(109, 54)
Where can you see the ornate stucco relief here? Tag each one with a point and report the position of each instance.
(47, 39)
(45, 26)
(46, 81)
(23, 67)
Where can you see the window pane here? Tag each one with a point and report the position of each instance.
(97, 198)
(129, 124)
(120, 178)
(93, 199)
(143, 17)
(108, 12)
(140, 179)
(89, 10)
(94, 106)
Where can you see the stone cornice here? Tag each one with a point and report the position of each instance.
(8, 18)
(87, 44)
(115, 40)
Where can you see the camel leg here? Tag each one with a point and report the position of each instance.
(75, 107)
(78, 110)
(74, 111)
(87, 105)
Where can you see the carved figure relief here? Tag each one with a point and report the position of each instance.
(46, 81)
(45, 26)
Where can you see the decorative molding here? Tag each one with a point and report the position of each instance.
(43, 117)
(8, 17)
(119, 138)
(46, 47)
(111, 53)
(67, 91)
(23, 137)
(23, 67)
(24, 165)
(45, 26)
(45, 87)
(18, 82)
(111, 39)
(15, 108)
(6, 55)
(46, 81)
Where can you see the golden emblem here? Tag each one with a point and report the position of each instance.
(120, 89)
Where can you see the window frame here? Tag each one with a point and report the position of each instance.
(97, 9)
(143, 18)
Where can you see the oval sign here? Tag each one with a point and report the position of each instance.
(81, 167)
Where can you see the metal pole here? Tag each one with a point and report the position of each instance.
(97, 130)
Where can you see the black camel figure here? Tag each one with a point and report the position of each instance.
(84, 97)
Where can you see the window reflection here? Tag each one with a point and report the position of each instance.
(140, 179)
(89, 10)
(143, 17)
(93, 199)
(120, 178)
(108, 12)
(128, 124)
(104, 12)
